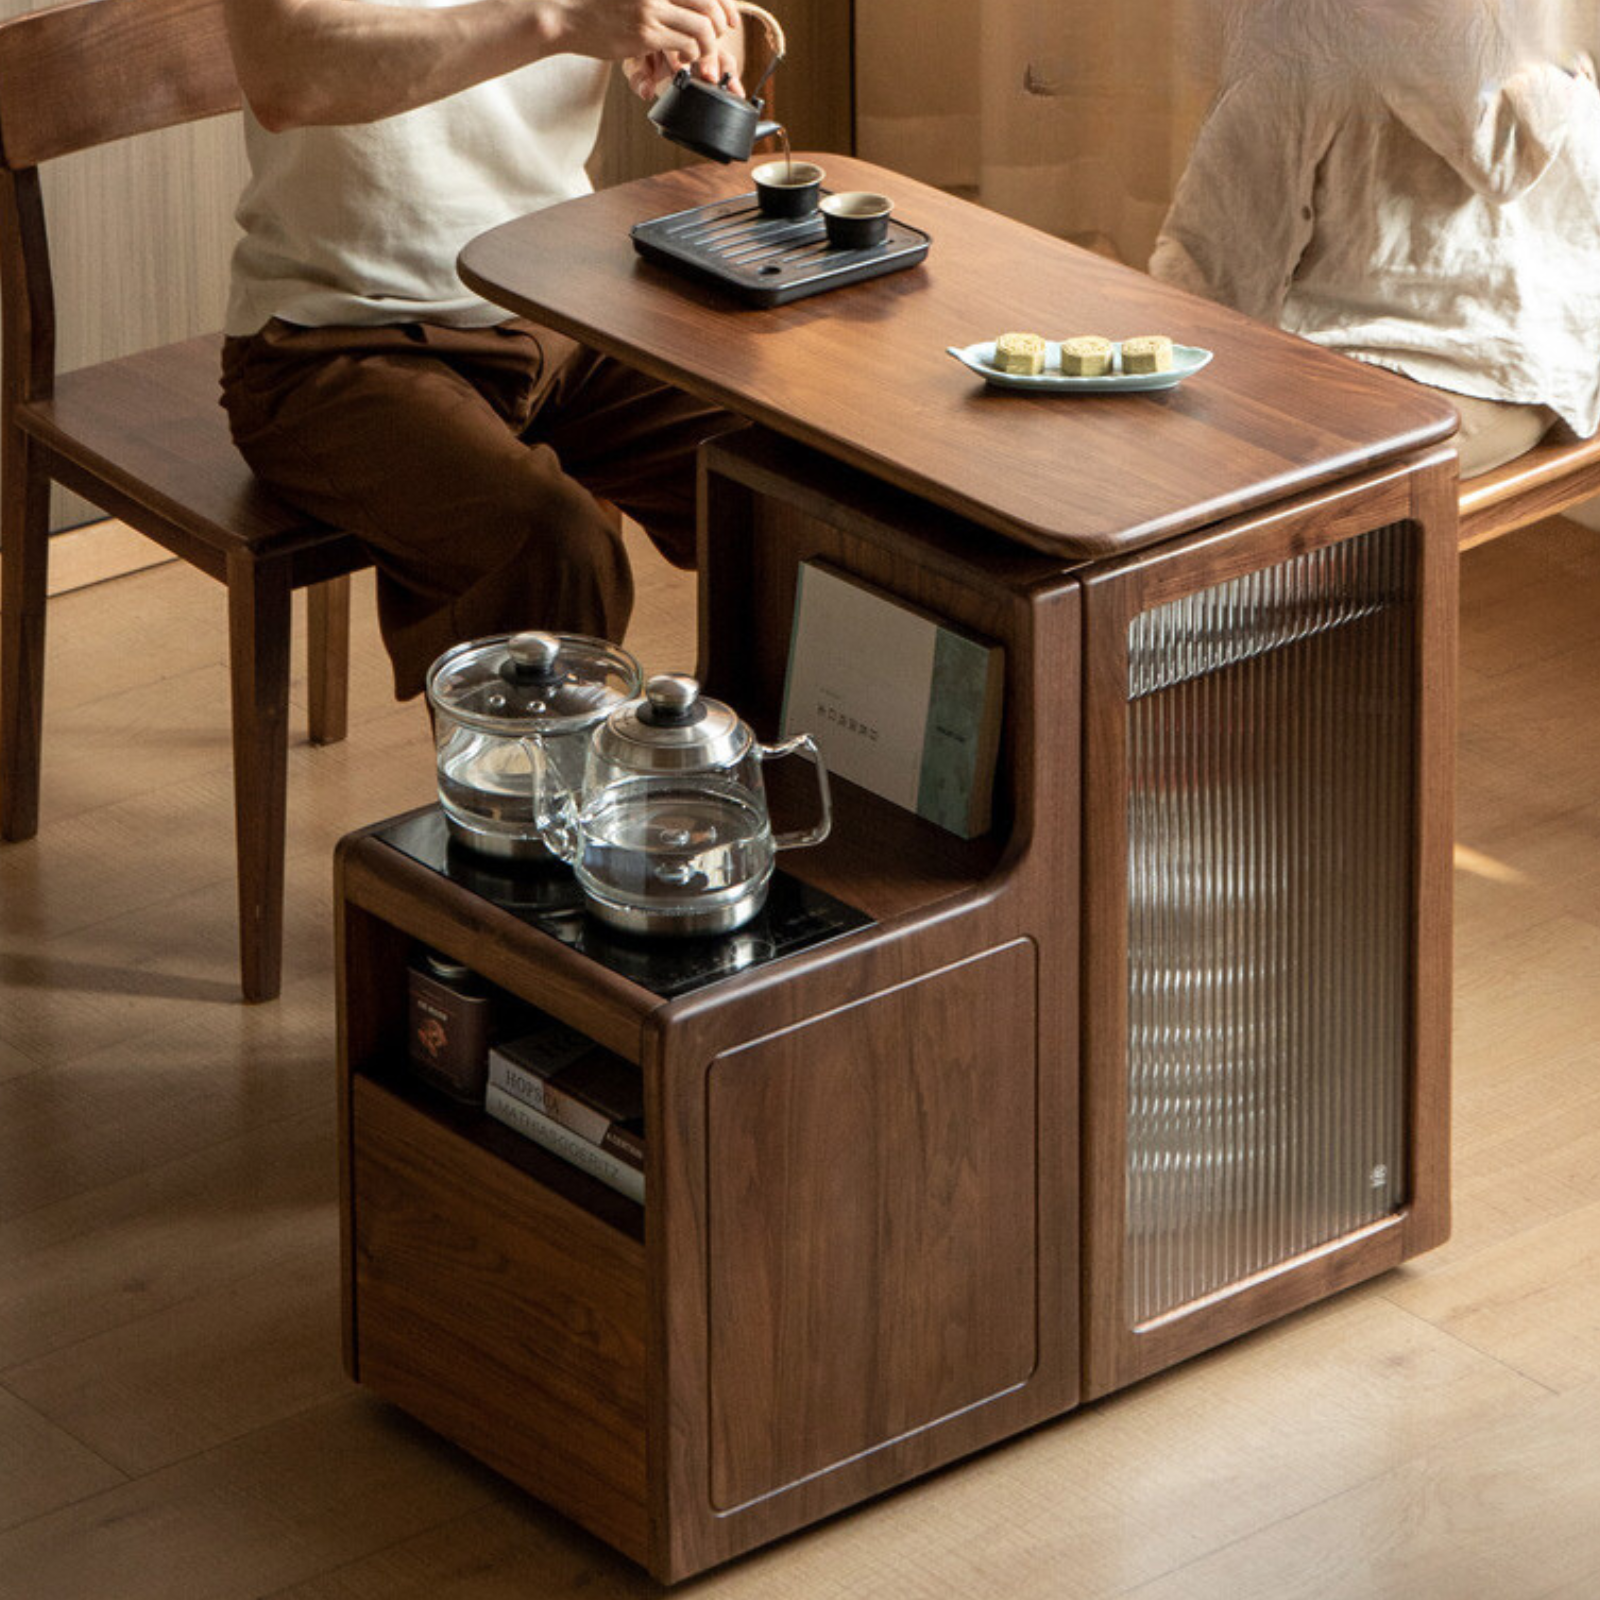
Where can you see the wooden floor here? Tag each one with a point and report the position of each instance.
(173, 1421)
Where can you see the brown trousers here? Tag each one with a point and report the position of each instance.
(468, 461)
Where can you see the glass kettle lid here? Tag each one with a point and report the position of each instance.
(672, 727)
(520, 683)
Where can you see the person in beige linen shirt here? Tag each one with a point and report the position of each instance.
(1415, 183)
(362, 379)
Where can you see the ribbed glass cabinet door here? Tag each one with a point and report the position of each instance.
(1270, 876)
(1256, 1108)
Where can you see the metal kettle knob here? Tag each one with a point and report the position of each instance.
(531, 658)
(672, 700)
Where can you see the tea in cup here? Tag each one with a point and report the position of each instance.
(856, 220)
(787, 188)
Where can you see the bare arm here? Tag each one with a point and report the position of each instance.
(303, 62)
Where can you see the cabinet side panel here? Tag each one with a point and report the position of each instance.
(872, 1183)
(501, 1315)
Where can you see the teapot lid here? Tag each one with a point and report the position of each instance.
(672, 727)
(523, 683)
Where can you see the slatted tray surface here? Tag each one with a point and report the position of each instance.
(769, 260)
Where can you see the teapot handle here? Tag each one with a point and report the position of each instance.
(803, 742)
(775, 38)
(554, 810)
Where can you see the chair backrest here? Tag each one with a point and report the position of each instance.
(72, 77)
(77, 75)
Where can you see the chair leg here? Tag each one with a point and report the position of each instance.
(328, 667)
(258, 647)
(24, 571)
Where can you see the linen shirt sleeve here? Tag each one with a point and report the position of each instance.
(1244, 209)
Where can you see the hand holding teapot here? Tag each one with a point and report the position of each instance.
(649, 76)
(714, 119)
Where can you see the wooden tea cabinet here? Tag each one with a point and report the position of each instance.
(868, 1174)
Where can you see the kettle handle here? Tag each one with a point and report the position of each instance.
(815, 835)
(554, 809)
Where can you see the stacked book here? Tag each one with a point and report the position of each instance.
(580, 1101)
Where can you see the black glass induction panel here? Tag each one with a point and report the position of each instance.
(545, 895)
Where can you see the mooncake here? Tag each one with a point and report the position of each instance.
(1149, 353)
(1087, 356)
(1019, 352)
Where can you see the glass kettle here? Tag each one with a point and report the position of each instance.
(669, 832)
(489, 698)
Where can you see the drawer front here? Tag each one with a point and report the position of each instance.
(500, 1314)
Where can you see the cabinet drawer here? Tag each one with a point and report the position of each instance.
(501, 1314)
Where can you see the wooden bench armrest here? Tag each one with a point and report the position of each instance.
(1549, 478)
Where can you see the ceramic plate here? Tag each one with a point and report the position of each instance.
(1186, 358)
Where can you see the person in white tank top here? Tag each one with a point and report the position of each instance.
(367, 385)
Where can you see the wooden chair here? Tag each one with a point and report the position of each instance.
(145, 438)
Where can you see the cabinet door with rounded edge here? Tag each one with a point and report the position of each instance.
(871, 1224)
(865, 1296)
(1267, 857)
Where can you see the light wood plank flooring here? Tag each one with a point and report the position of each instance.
(173, 1421)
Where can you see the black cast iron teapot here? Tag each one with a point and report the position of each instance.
(709, 118)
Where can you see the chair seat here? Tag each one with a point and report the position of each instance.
(150, 428)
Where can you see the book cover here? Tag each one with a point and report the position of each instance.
(898, 700)
(573, 1081)
(600, 1163)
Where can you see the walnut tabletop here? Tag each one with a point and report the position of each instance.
(862, 373)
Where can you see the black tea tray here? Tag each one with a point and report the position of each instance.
(769, 260)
